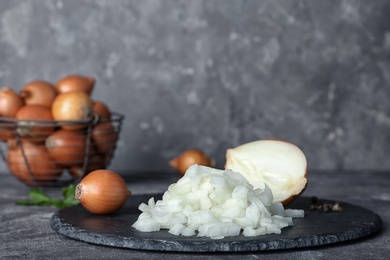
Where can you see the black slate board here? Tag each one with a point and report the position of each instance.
(315, 229)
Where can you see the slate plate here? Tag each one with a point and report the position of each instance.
(315, 229)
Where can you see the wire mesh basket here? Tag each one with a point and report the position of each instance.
(48, 153)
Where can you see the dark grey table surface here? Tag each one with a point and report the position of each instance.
(25, 232)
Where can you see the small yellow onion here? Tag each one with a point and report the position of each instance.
(102, 192)
(189, 158)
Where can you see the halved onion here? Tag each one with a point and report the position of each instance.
(280, 165)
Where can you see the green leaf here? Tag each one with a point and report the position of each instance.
(39, 198)
(57, 203)
(69, 192)
(73, 202)
(69, 196)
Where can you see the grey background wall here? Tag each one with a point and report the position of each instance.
(214, 74)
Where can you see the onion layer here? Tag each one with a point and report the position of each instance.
(280, 165)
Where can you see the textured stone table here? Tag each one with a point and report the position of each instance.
(25, 232)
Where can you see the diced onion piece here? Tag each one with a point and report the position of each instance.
(295, 213)
(176, 229)
(251, 232)
(214, 203)
(147, 225)
(144, 207)
(221, 230)
(201, 217)
(272, 228)
(186, 231)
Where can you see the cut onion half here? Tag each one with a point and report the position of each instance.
(279, 164)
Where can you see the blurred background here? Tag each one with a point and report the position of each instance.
(214, 74)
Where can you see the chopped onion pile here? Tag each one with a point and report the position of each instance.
(214, 203)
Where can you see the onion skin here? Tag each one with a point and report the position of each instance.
(102, 192)
(43, 167)
(76, 83)
(104, 137)
(293, 197)
(67, 147)
(73, 106)
(34, 131)
(102, 110)
(6, 131)
(191, 157)
(96, 161)
(10, 102)
(38, 92)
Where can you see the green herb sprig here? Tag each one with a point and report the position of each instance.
(39, 198)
